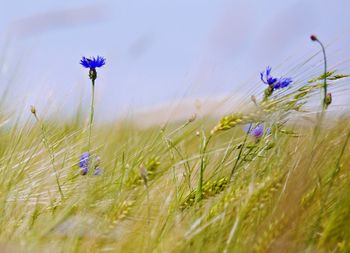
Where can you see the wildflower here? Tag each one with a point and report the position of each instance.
(267, 78)
(282, 83)
(98, 171)
(84, 163)
(97, 161)
(93, 63)
(274, 83)
(258, 131)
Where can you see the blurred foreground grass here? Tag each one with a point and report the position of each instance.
(289, 191)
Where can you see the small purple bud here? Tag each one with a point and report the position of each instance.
(97, 161)
(83, 171)
(98, 172)
(84, 163)
(258, 131)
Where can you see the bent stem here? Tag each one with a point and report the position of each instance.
(320, 116)
(324, 102)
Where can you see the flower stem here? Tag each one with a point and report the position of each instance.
(240, 152)
(324, 102)
(91, 113)
(325, 76)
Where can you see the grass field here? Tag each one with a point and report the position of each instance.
(201, 185)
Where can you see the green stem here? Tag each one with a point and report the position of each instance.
(91, 113)
(337, 166)
(204, 146)
(325, 77)
(324, 104)
(240, 152)
(52, 156)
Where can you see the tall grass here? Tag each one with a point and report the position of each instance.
(204, 186)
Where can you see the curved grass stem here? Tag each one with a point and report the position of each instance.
(51, 153)
(204, 144)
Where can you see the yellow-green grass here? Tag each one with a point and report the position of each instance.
(287, 192)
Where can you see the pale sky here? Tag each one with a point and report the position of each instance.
(157, 51)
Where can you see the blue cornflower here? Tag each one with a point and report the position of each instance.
(93, 62)
(273, 82)
(258, 131)
(98, 171)
(268, 78)
(84, 163)
(282, 83)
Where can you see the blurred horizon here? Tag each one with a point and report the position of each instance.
(158, 52)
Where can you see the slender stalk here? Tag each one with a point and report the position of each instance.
(91, 113)
(325, 76)
(171, 147)
(50, 151)
(123, 168)
(204, 146)
(324, 101)
(337, 166)
(324, 198)
(240, 152)
(144, 176)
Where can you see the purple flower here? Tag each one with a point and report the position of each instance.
(98, 172)
(93, 62)
(282, 83)
(257, 131)
(273, 82)
(84, 163)
(266, 77)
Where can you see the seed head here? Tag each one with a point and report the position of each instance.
(328, 99)
(97, 161)
(313, 38)
(192, 118)
(253, 98)
(98, 171)
(143, 174)
(32, 109)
